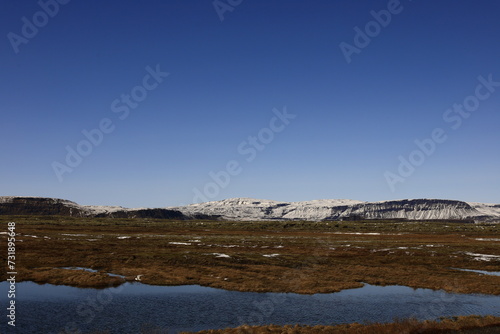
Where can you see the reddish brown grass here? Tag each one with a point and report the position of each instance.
(314, 257)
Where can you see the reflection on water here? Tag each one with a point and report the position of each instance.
(90, 271)
(128, 308)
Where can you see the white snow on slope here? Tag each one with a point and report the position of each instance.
(486, 209)
(249, 209)
(335, 209)
(98, 209)
(258, 209)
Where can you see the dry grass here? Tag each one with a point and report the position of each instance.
(313, 257)
(467, 324)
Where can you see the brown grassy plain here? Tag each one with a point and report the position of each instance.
(301, 257)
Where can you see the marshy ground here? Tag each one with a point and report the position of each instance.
(301, 257)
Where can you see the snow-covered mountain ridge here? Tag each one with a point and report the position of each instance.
(343, 209)
(249, 209)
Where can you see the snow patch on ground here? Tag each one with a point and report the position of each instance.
(221, 255)
(483, 257)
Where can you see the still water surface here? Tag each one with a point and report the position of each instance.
(135, 306)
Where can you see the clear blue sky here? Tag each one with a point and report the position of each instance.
(353, 120)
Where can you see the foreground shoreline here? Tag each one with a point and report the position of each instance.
(464, 324)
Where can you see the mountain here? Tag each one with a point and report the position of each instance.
(248, 209)
(342, 209)
(59, 207)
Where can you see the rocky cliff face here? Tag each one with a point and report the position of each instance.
(417, 209)
(60, 207)
(40, 206)
(248, 209)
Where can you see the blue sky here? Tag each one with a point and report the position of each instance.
(352, 124)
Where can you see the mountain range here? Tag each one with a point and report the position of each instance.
(248, 209)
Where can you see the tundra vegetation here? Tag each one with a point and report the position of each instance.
(276, 256)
